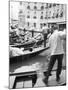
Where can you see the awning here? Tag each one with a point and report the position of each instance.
(61, 22)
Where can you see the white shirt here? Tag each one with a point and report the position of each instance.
(56, 43)
(45, 29)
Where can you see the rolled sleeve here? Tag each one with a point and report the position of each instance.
(62, 34)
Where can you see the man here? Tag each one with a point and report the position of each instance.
(56, 50)
(45, 33)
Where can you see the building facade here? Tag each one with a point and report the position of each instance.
(36, 14)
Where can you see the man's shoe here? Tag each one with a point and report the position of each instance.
(45, 74)
(58, 79)
(45, 81)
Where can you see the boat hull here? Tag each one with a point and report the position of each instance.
(26, 55)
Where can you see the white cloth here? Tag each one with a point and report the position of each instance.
(38, 36)
(56, 43)
(15, 51)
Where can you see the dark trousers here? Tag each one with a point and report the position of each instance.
(45, 38)
(53, 59)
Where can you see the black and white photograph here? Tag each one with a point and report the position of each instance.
(37, 44)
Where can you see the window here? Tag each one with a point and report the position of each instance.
(34, 24)
(61, 14)
(21, 11)
(57, 15)
(57, 4)
(54, 4)
(35, 12)
(44, 24)
(20, 2)
(53, 15)
(42, 7)
(49, 14)
(34, 17)
(46, 5)
(35, 2)
(41, 17)
(28, 24)
(28, 7)
(48, 17)
(41, 12)
(50, 5)
(45, 17)
(28, 12)
(35, 7)
(41, 25)
(28, 16)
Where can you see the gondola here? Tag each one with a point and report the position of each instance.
(28, 54)
(36, 40)
(28, 44)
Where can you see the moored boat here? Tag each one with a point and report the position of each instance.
(28, 54)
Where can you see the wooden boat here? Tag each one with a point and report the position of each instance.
(28, 44)
(28, 54)
(34, 41)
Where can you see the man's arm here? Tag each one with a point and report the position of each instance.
(62, 34)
